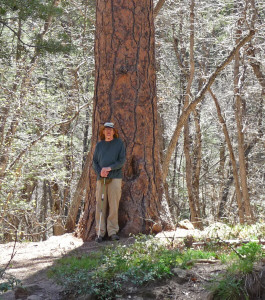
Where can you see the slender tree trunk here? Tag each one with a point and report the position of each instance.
(44, 206)
(26, 79)
(86, 141)
(224, 197)
(221, 169)
(185, 114)
(58, 228)
(233, 162)
(194, 210)
(77, 198)
(197, 158)
(125, 93)
(240, 133)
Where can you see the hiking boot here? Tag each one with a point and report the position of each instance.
(114, 237)
(99, 239)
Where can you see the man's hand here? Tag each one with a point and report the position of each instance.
(105, 172)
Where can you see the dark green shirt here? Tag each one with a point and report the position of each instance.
(109, 154)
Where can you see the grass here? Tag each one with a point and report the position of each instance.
(234, 284)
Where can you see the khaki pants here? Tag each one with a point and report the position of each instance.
(112, 198)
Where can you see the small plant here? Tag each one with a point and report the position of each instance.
(232, 285)
(106, 273)
(9, 281)
(228, 288)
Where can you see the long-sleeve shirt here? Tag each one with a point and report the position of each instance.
(109, 154)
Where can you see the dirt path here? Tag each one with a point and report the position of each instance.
(32, 260)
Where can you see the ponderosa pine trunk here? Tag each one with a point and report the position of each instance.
(125, 93)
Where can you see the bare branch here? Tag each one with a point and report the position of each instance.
(11, 258)
(185, 114)
(16, 34)
(159, 5)
(23, 152)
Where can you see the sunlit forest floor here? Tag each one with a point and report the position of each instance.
(32, 260)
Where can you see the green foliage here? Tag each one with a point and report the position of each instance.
(231, 285)
(228, 288)
(8, 281)
(191, 255)
(247, 255)
(104, 273)
(30, 8)
(60, 45)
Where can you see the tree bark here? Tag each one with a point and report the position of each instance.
(256, 66)
(240, 133)
(233, 162)
(125, 93)
(159, 5)
(77, 198)
(194, 209)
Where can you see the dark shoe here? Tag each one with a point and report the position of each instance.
(99, 239)
(114, 237)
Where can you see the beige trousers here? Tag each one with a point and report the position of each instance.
(111, 199)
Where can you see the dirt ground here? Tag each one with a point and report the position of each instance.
(32, 260)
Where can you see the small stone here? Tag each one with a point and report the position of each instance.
(181, 276)
(35, 297)
(21, 293)
(86, 297)
(186, 224)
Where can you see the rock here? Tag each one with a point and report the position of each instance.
(86, 297)
(217, 230)
(186, 224)
(188, 241)
(181, 276)
(21, 293)
(178, 233)
(27, 292)
(148, 294)
(35, 297)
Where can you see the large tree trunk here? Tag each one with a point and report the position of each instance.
(125, 93)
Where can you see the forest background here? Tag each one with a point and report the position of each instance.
(47, 75)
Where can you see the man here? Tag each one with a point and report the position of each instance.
(108, 159)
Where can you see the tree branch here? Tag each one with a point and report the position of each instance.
(185, 114)
(256, 66)
(159, 5)
(16, 34)
(23, 152)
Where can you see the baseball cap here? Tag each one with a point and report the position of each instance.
(109, 124)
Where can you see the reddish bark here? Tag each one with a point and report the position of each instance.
(125, 93)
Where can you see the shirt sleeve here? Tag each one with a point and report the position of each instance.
(95, 164)
(121, 158)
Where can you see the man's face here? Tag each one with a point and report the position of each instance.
(109, 133)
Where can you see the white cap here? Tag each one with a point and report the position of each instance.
(109, 124)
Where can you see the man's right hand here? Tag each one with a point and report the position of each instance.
(105, 172)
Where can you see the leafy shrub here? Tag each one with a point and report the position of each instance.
(232, 284)
(8, 281)
(105, 273)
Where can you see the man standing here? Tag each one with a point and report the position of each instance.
(108, 159)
